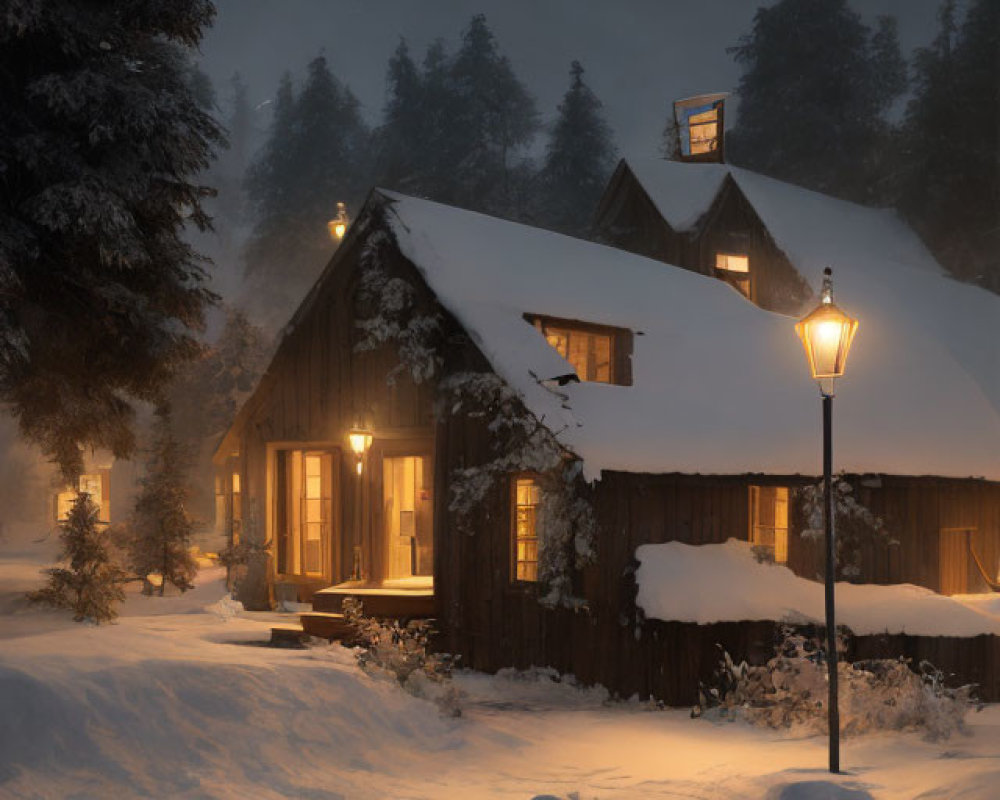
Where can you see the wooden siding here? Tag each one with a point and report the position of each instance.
(627, 218)
(316, 389)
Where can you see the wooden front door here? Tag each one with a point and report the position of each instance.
(955, 560)
(406, 504)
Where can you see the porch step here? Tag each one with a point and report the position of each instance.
(288, 637)
(391, 604)
(324, 625)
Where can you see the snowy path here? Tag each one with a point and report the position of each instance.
(168, 703)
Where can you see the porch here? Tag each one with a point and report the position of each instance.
(402, 599)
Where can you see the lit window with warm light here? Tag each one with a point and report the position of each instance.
(526, 497)
(734, 269)
(592, 350)
(769, 520)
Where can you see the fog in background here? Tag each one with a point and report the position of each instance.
(639, 54)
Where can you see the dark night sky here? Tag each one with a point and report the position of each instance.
(639, 54)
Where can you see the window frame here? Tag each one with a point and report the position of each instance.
(620, 353)
(514, 580)
(754, 491)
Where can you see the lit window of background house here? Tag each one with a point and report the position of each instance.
(734, 269)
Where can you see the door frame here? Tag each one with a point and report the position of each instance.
(332, 550)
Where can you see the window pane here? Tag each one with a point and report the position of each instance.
(769, 510)
(732, 262)
(525, 545)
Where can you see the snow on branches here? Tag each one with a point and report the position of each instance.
(390, 312)
(567, 526)
(855, 524)
(877, 694)
(392, 316)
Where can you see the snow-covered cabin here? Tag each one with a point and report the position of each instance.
(498, 366)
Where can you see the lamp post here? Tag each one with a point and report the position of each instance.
(338, 225)
(360, 439)
(826, 333)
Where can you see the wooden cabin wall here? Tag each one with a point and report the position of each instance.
(732, 226)
(316, 389)
(628, 219)
(493, 623)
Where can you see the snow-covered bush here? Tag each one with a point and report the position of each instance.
(855, 525)
(90, 585)
(878, 694)
(401, 651)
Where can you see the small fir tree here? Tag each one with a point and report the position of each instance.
(160, 526)
(91, 585)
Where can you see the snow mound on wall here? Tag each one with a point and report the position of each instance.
(725, 583)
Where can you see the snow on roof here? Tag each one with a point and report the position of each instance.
(720, 386)
(672, 578)
(879, 264)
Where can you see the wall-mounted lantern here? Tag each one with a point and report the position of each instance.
(338, 225)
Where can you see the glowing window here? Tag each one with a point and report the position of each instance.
(525, 544)
(704, 128)
(590, 349)
(769, 520)
(732, 262)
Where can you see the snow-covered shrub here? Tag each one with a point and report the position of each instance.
(878, 694)
(854, 524)
(246, 563)
(401, 651)
(91, 583)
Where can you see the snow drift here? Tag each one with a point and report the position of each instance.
(725, 583)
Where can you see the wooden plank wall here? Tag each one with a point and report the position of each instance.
(316, 389)
(493, 623)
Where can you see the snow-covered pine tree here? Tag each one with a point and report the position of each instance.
(91, 583)
(578, 161)
(814, 95)
(101, 140)
(160, 528)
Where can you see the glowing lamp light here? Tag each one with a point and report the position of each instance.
(826, 334)
(360, 440)
(338, 225)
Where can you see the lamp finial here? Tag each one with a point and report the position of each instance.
(826, 295)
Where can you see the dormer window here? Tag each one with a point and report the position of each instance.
(734, 269)
(597, 353)
(699, 125)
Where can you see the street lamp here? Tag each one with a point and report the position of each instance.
(826, 333)
(338, 225)
(360, 439)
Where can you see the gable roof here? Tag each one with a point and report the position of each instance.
(879, 264)
(720, 386)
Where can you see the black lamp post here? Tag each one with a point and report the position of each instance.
(826, 333)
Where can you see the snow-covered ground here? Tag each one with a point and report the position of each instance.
(172, 701)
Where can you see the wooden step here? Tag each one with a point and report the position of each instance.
(324, 625)
(402, 605)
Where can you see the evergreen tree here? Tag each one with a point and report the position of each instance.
(403, 137)
(207, 395)
(816, 86)
(160, 528)
(91, 585)
(578, 161)
(493, 120)
(950, 183)
(316, 155)
(101, 136)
